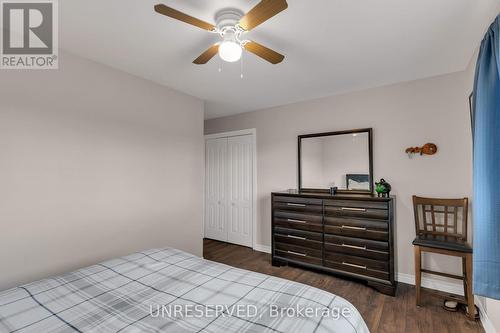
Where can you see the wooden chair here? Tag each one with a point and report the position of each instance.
(441, 227)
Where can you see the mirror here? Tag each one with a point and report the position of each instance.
(336, 159)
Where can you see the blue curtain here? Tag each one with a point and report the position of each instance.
(486, 129)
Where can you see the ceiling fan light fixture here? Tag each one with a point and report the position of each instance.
(230, 51)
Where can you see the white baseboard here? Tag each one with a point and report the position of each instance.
(262, 248)
(441, 285)
(485, 320)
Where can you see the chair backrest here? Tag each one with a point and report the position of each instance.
(441, 218)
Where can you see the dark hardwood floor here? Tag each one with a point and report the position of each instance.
(382, 313)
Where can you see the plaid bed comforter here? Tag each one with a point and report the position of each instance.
(167, 290)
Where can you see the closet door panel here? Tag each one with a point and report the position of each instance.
(240, 189)
(216, 207)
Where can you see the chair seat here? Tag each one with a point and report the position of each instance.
(440, 242)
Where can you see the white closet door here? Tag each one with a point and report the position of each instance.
(216, 207)
(240, 192)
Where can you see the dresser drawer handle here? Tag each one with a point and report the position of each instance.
(296, 237)
(354, 228)
(353, 265)
(295, 204)
(354, 209)
(298, 221)
(297, 253)
(354, 246)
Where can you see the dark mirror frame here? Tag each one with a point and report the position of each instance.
(342, 191)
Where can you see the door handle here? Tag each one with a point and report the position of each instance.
(354, 246)
(295, 205)
(353, 265)
(298, 221)
(354, 209)
(354, 228)
(296, 237)
(297, 253)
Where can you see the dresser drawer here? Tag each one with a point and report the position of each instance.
(297, 256)
(372, 213)
(294, 220)
(310, 252)
(374, 268)
(300, 217)
(347, 267)
(380, 265)
(298, 241)
(369, 229)
(357, 204)
(298, 207)
(357, 246)
(298, 200)
(298, 237)
(293, 224)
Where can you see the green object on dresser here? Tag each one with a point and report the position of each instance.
(382, 188)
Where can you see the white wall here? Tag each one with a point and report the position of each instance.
(403, 115)
(94, 163)
(493, 309)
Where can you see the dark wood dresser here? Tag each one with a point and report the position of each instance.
(345, 234)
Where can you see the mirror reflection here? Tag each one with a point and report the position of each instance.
(341, 160)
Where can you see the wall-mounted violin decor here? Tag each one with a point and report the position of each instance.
(427, 149)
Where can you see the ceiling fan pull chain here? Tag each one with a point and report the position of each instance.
(241, 68)
(220, 65)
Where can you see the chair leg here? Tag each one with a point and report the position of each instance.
(418, 273)
(464, 274)
(468, 290)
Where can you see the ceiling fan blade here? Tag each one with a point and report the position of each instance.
(265, 53)
(207, 55)
(262, 12)
(175, 14)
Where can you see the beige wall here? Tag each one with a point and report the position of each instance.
(403, 115)
(94, 163)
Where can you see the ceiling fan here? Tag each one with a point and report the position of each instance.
(231, 25)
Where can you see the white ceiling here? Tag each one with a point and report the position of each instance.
(331, 46)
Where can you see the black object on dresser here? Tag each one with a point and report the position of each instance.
(350, 235)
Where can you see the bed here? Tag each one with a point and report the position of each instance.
(142, 292)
